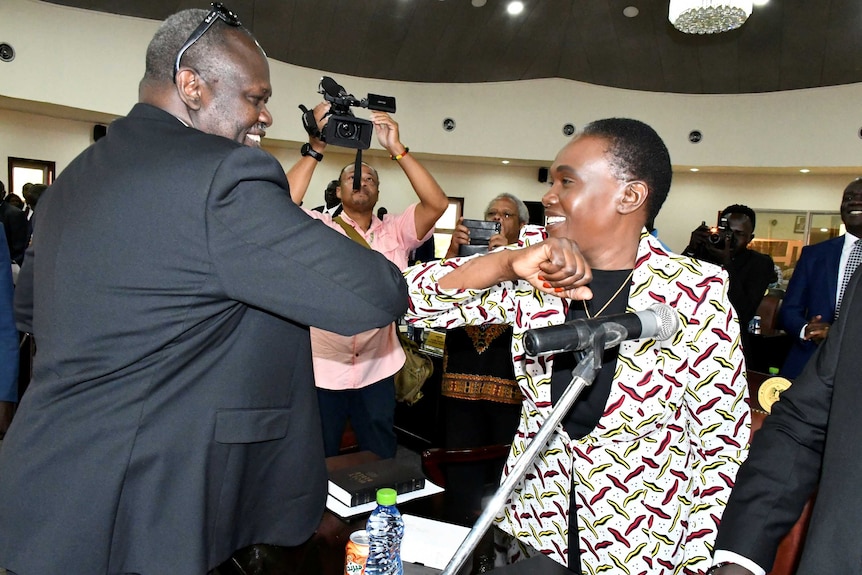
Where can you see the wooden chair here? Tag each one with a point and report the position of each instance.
(790, 549)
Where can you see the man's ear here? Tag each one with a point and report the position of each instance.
(338, 192)
(633, 196)
(189, 88)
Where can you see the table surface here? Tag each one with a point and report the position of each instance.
(323, 553)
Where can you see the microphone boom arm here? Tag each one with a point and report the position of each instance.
(583, 375)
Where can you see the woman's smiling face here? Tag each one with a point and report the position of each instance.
(582, 202)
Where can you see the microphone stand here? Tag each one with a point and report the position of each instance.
(606, 335)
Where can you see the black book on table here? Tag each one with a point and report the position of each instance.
(359, 484)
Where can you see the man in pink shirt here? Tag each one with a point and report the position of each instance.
(355, 375)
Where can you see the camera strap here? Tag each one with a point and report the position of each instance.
(357, 169)
(309, 123)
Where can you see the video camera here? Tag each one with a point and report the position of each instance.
(343, 128)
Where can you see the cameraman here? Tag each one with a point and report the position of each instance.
(750, 272)
(355, 374)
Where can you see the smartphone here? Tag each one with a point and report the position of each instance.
(480, 233)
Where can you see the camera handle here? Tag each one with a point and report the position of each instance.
(309, 123)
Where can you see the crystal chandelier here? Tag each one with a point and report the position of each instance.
(708, 16)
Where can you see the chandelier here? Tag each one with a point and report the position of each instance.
(708, 16)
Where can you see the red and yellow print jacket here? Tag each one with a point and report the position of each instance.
(653, 477)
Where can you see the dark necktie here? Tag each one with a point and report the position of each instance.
(852, 263)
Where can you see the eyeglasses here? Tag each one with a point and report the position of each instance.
(503, 215)
(218, 12)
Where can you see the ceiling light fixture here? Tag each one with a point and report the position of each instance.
(694, 169)
(631, 11)
(804, 170)
(708, 16)
(478, 3)
(515, 8)
(505, 162)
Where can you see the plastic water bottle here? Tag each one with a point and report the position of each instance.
(385, 531)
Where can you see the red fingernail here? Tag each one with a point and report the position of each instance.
(558, 289)
(546, 284)
(541, 278)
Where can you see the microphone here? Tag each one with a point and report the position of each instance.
(659, 321)
(332, 88)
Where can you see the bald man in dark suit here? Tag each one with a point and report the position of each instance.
(172, 418)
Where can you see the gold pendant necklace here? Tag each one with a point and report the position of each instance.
(613, 297)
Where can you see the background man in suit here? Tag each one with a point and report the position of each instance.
(812, 435)
(809, 306)
(31, 196)
(8, 342)
(172, 417)
(332, 205)
(15, 224)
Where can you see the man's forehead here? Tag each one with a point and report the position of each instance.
(366, 169)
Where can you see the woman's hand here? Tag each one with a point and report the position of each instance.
(555, 266)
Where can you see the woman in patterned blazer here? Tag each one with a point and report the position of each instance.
(636, 477)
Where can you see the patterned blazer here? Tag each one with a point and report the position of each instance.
(651, 480)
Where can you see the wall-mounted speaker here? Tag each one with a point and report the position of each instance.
(7, 52)
(99, 132)
(543, 175)
(537, 212)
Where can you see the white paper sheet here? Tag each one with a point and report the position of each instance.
(429, 542)
(346, 512)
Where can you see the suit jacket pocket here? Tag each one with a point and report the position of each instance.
(251, 425)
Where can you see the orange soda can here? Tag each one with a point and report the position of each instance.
(356, 553)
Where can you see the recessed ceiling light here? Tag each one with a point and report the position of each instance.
(694, 169)
(761, 2)
(478, 3)
(505, 161)
(824, 230)
(804, 170)
(515, 7)
(630, 11)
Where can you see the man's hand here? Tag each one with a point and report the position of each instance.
(321, 116)
(6, 411)
(816, 330)
(699, 237)
(700, 241)
(387, 132)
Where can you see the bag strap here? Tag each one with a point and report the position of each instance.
(351, 232)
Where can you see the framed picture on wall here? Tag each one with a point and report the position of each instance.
(799, 226)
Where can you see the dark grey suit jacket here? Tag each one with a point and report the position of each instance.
(172, 417)
(813, 434)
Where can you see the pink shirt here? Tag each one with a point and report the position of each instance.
(351, 362)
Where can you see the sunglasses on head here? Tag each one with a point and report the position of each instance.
(217, 12)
